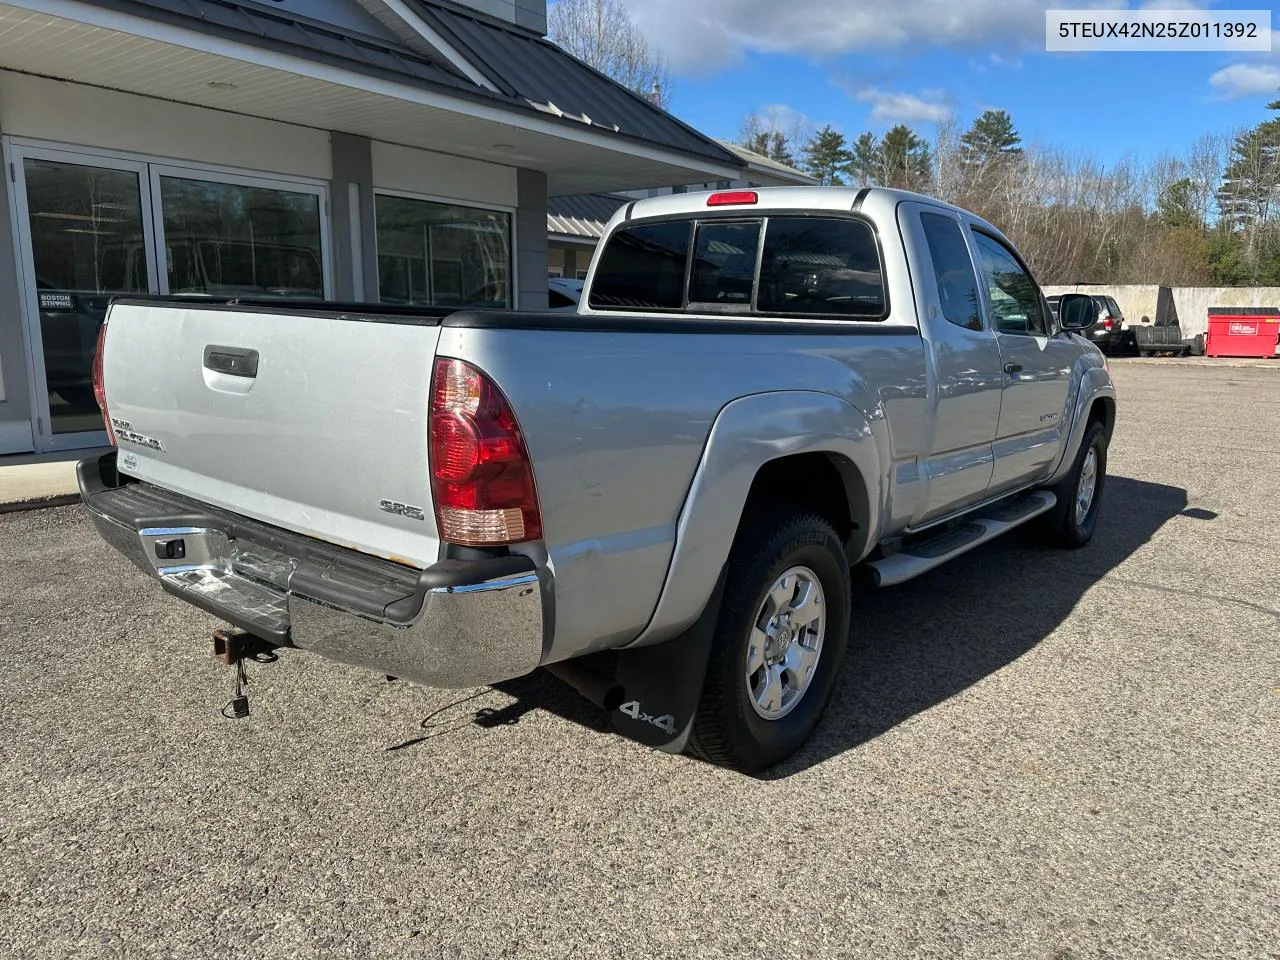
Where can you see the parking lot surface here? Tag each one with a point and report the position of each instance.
(1030, 754)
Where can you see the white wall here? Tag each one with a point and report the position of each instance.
(408, 170)
(1190, 303)
(74, 114)
(1193, 303)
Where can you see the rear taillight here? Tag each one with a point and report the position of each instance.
(481, 476)
(99, 388)
(1108, 323)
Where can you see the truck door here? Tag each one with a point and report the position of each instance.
(1037, 364)
(965, 363)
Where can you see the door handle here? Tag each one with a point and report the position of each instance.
(234, 361)
(1013, 368)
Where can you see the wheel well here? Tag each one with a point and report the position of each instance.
(1103, 411)
(826, 483)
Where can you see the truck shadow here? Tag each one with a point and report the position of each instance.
(919, 644)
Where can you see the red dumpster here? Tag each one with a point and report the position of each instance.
(1242, 332)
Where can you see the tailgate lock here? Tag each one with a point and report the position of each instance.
(175, 549)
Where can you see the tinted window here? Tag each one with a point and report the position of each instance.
(819, 265)
(1015, 299)
(643, 267)
(557, 299)
(1115, 307)
(724, 263)
(227, 238)
(441, 254)
(952, 268)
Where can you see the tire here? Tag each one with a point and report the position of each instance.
(730, 728)
(1064, 525)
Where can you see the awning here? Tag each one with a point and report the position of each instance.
(246, 59)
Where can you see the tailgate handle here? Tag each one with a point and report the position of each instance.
(235, 361)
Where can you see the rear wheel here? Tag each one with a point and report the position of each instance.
(780, 637)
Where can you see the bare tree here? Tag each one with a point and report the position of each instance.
(602, 34)
(1206, 162)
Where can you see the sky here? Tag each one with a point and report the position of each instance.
(868, 64)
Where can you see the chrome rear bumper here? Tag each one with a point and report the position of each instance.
(455, 624)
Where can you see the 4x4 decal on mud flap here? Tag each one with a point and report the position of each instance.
(667, 723)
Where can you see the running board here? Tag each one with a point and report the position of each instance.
(920, 556)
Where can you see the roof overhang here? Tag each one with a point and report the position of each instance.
(105, 47)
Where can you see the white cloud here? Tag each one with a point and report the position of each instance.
(700, 36)
(781, 116)
(1245, 80)
(892, 106)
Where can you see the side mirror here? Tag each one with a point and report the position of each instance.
(1077, 311)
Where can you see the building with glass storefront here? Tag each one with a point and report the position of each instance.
(393, 150)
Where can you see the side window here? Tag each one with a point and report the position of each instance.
(953, 269)
(1015, 299)
(1115, 307)
(820, 265)
(643, 267)
(724, 263)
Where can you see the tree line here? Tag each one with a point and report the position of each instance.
(1207, 216)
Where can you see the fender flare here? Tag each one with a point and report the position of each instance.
(747, 434)
(1094, 383)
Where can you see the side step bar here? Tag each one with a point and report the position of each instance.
(919, 556)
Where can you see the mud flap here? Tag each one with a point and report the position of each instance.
(662, 684)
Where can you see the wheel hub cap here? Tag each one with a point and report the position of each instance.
(1087, 486)
(785, 643)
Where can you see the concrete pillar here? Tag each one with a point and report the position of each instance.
(531, 240)
(355, 252)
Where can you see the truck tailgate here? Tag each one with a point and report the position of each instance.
(314, 421)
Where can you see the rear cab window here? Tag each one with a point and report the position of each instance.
(785, 265)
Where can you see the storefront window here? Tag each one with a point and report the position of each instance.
(228, 239)
(87, 245)
(437, 254)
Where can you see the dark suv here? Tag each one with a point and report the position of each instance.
(1106, 332)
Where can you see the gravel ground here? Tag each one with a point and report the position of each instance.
(1031, 754)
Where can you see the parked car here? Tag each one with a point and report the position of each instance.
(1107, 332)
(563, 295)
(659, 499)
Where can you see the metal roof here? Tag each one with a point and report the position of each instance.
(276, 29)
(536, 70)
(531, 74)
(584, 215)
(759, 160)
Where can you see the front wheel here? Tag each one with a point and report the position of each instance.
(1072, 521)
(780, 637)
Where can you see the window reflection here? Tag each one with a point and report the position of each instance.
(227, 239)
(86, 243)
(438, 254)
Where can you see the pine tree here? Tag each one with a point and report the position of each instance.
(826, 156)
(1248, 197)
(865, 161)
(1177, 206)
(905, 159)
(992, 138)
(780, 149)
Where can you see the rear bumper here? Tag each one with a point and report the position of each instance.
(457, 623)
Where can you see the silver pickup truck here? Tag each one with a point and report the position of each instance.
(660, 498)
